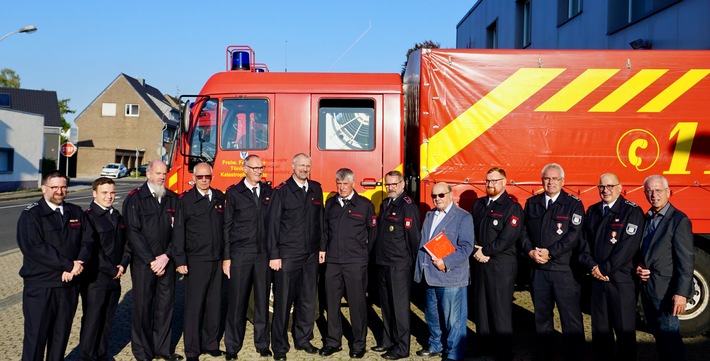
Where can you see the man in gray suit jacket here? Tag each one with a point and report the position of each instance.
(445, 278)
(665, 268)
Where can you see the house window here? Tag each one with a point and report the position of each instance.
(5, 100)
(7, 155)
(346, 124)
(567, 9)
(524, 13)
(132, 110)
(626, 12)
(108, 109)
(492, 36)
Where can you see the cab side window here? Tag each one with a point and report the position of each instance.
(245, 124)
(346, 124)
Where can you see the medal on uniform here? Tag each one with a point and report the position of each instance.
(391, 228)
(613, 237)
(495, 222)
(559, 228)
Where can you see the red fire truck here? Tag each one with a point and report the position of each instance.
(458, 113)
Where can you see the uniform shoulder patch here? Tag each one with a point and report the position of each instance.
(631, 229)
(87, 211)
(407, 199)
(182, 194)
(576, 219)
(280, 185)
(134, 191)
(32, 205)
(230, 187)
(574, 197)
(631, 203)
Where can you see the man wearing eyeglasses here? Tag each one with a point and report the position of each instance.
(55, 243)
(245, 261)
(398, 236)
(497, 221)
(665, 267)
(149, 213)
(611, 238)
(445, 279)
(553, 225)
(197, 250)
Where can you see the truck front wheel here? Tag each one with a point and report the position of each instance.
(696, 318)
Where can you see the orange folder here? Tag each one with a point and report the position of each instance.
(439, 246)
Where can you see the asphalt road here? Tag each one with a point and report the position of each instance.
(79, 194)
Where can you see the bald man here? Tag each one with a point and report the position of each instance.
(611, 237)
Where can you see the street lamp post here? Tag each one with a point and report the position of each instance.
(27, 30)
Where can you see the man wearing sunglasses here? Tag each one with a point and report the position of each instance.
(611, 238)
(497, 221)
(553, 225)
(197, 250)
(245, 262)
(149, 213)
(446, 277)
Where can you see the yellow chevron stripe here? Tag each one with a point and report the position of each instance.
(172, 180)
(576, 90)
(675, 90)
(628, 90)
(483, 114)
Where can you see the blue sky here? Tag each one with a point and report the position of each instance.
(81, 46)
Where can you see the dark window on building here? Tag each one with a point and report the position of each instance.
(625, 12)
(567, 9)
(492, 36)
(7, 156)
(346, 124)
(5, 100)
(524, 22)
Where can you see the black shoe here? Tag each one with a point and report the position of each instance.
(278, 356)
(357, 353)
(426, 353)
(309, 348)
(214, 353)
(264, 352)
(193, 358)
(173, 357)
(392, 356)
(379, 348)
(230, 356)
(328, 350)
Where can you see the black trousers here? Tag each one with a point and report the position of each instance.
(349, 279)
(152, 312)
(294, 284)
(493, 287)
(248, 270)
(394, 284)
(613, 312)
(98, 302)
(557, 287)
(203, 305)
(49, 313)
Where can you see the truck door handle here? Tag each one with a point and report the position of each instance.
(370, 182)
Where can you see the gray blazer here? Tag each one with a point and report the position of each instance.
(670, 257)
(458, 227)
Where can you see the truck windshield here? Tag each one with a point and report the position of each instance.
(245, 124)
(203, 141)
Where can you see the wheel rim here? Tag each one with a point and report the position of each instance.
(698, 302)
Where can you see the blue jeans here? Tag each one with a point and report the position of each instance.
(664, 326)
(445, 314)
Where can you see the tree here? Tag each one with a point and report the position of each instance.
(428, 44)
(64, 109)
(9, 79)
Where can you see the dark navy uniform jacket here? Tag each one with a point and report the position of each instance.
(498, 227)
(50, 243)
(109, 233)
(558, 229)
(244, 220)
(398, 232)
(350, 230)
(198, 231)
(611, 241)
(295, 221)
(149, 223)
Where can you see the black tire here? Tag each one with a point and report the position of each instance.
(696, 318)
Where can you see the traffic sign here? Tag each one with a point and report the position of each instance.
(68, 149)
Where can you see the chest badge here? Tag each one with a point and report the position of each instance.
(576, 219)
(559, 228)
(631, 229)
(391, 228)
(495, 222)
(613, 239)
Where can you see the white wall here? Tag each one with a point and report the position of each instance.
(23, 133)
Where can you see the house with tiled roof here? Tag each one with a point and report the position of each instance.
(129, 122)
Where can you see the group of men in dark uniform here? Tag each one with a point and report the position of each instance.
(256, 235)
